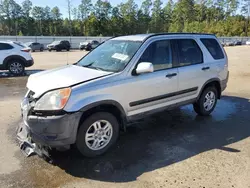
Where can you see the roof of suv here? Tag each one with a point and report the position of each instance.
(7, 42)
(142, 37)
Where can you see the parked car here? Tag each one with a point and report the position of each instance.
(229, 43)
(35, 46)
(14, 57)
(237, 43)
(223, 43)
(89, 45)
(123, 80)
(248, 42)
(59, 45)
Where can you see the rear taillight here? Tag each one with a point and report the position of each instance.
(25, 50)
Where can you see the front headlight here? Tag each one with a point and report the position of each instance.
(53, 100)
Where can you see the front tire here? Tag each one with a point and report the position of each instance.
(97, 134)
(16, 67)
(207, 101)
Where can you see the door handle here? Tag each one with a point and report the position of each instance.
(205, 68)
(171, 75)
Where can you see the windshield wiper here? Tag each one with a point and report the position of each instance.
(96, 68)
(89, 65)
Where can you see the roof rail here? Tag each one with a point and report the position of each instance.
(183, 33)
(158, 34)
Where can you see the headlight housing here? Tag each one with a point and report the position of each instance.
(53, 100)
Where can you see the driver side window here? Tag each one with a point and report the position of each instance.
(159, 54)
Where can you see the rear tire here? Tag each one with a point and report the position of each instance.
(97, 134)
(41, 49)
(207, 101)
(16, 67)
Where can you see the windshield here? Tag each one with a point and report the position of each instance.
(56, 42)
(28, 43)
(111, 56)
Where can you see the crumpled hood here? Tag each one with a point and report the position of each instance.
(61, 77)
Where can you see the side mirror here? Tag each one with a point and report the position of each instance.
(144, 67)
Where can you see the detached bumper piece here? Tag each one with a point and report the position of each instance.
(28, 147)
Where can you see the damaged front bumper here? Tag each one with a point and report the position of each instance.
(28, 147)
(37, 134)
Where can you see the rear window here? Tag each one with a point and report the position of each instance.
(213, 47)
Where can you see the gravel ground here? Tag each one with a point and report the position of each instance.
(171, 149)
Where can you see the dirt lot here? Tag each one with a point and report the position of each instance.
(171, 149)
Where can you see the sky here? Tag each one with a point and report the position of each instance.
(63, 5)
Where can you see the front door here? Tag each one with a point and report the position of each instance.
(151, 91)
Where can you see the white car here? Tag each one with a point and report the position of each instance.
(248, 42)
(14, 57)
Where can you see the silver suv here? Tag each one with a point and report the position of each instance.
(122, 80)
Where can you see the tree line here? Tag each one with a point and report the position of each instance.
(221, 17)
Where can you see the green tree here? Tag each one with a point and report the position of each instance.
(10, 11)
(144, 16)
(157, 20)
(38, 14)
(27, 7)
(27, 21)
(103, 11)
(168, 11)
(56, 17)
(84, 10)
(245, 10)
(128, 13)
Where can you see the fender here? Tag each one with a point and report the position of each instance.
(6, 60)
(104, 102)
(206, 83)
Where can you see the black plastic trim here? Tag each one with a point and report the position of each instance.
(48, 113)
(208, 82)
(104, 102)
(160, 97)
(136, 117)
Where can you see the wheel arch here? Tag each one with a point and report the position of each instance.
(110, 106)
(212, 82)
(12, 57)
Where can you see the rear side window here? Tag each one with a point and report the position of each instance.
(4, 46)
(213, 47)
(189, 52)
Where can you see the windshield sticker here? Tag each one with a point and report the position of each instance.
(119, 56)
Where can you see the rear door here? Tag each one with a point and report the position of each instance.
(192, 70)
